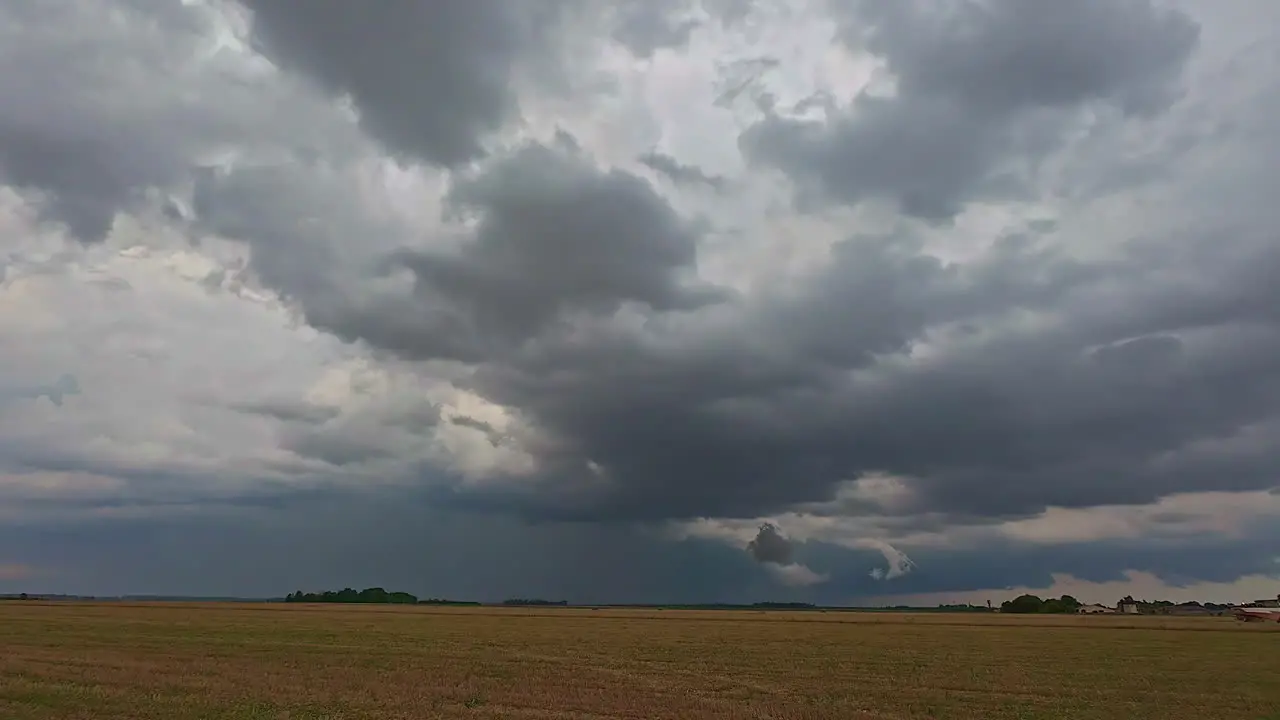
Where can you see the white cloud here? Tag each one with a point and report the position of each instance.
(897, 563)
(796, 575)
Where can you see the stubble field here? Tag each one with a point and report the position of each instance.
(175, 662)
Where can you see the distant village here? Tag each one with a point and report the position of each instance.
(1258, 610)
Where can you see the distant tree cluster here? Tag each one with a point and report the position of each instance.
(1032, 604)
(348, 595)
(525, 601)
(1165, 607)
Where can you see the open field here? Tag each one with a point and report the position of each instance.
(174, 662)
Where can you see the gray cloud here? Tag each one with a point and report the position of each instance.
(297, 218)
(86, 154)
(492, 434)
(389, 433)
(335, 447)
(679, 172)
(289, 411)
(55, 392)
(430, 79)
(1006, 55)
(46, 143)
(433, 79)
(647, 26)
(743, 76)
(555, 236)
(770, 546)
(983, 89)
(777, 407)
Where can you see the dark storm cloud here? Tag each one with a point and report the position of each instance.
(1103, 398)
(1006, 55)
(85, 132)
(978, 84)
(433, 78)
(87, 196)
(680, 173)
(770, 546)
(555, 235)
(430, 78)
(84, 160)
(296, 217)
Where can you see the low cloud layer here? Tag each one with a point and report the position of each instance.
(830, 282)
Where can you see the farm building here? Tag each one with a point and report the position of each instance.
(1127, 608)
(1094, 610)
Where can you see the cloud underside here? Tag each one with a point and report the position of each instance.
(514, 261)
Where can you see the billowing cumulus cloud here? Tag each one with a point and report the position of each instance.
(981, 91)
(897, 562)
(769, 545)
(429, 79)
(904, 298)
(773, 550)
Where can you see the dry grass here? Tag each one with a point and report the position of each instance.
(174, 662)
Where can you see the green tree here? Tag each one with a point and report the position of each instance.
(348, 595)
(1023, 604)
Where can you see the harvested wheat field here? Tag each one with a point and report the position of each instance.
(172, 662)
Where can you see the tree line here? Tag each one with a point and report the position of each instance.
(350, 595)
(1032, 604)
(379, 595)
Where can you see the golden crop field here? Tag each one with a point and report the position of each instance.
(174, 662)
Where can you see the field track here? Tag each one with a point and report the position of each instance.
(268, 662)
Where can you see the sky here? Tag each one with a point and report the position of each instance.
(834, 301)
